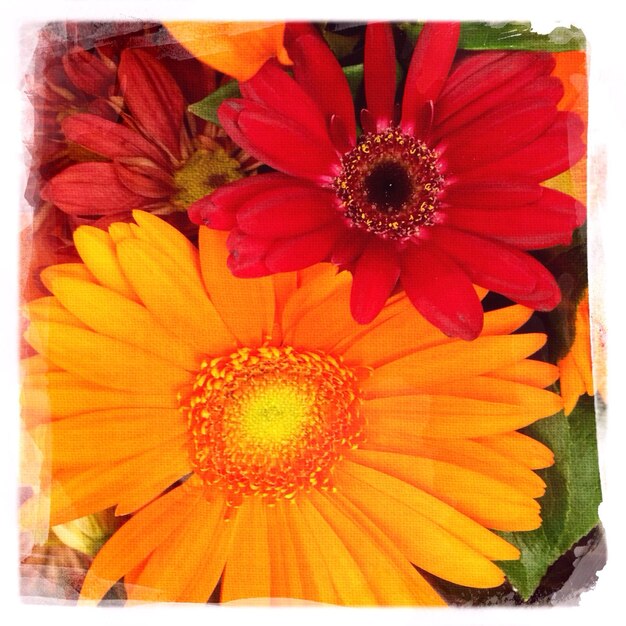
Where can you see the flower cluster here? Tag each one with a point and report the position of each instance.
(276, 315)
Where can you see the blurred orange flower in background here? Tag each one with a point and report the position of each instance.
(238, 49)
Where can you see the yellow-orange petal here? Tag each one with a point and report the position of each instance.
(285, 571)
(423, 542)
(170, 246)
(452, 416)
(55, 395)
(37, 364)
(315, 570)
(349, 581)
(77, 441)
(387, 571)
(136, 539)
(108, 313)
(49, 309)
(334, 310)
(528, 372)
(398, 335)
(104, 361)
(437, 512)
(188, 548)
(486, 500)
(76, 493)
(74, 270)
(97, 250)
(246, 306)
(520, 447)
(316, 285)
(456, 360)
(238, 49)
(464, 452)
(506, 320)
(182, 307)
(208, 574)
(575, 367)
(248, 569)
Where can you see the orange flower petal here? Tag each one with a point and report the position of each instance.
(248, 569)
(315, 566)
(104, 361)
(456, 360)
(520, 448)
(108, 313)
(387, 571)
(252, 324)
(136, 539)
(423, 542)
(55, 395)
(97, 249)
(238, 49)
(451, 416)
(462, 452)
(180, 305)
(490, 502)
(158, 581)
(437, 512)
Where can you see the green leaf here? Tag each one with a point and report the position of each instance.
(207, 108)
(509, 36)
(570, 506)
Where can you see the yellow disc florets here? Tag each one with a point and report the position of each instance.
(271, 421)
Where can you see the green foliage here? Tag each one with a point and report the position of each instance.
(207, 108)
(509, 36)
(570, 506)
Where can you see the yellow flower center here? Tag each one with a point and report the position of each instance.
(271, 421)
(203, 173)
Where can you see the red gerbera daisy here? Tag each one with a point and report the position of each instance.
(432, 196)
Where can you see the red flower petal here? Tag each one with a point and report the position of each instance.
(500, 268)
(441, 291)
(88, 72)
(549, 155)
(144, 177)
(380, 73)
(277, 142)
(91, 189)
(430, 64)
(318, 72)
(497, 134)
(108, 138)
(499, 79)
(287, 210)
(153, 98)
(548, 222)
(546, 88)
(467, 67)
(268, 88)
(375, 275)
(490, 194)
(247, 253)
(349, 247)
(296, 253)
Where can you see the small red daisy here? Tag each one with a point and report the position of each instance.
(433, 196)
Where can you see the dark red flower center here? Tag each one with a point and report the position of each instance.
(389, 184)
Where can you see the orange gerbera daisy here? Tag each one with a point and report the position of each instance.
(264, 439)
